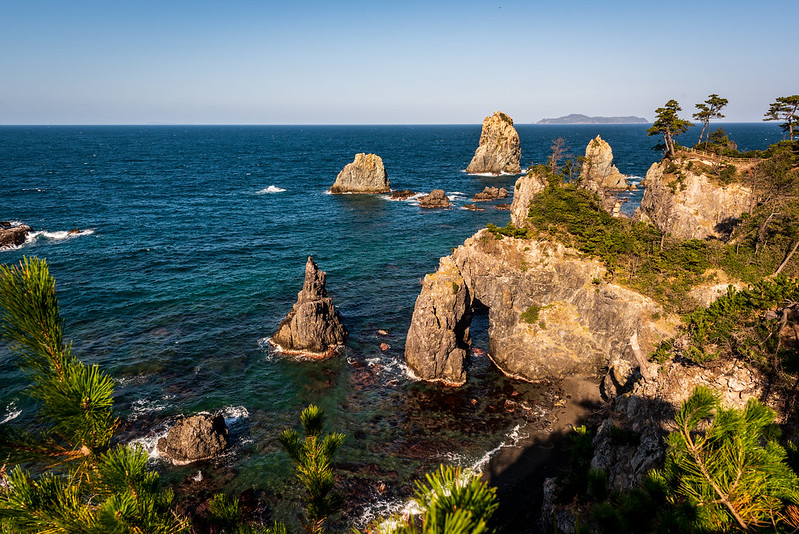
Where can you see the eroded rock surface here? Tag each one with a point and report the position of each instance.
(13, 236)
(490, 193)
(526, 188)
(195, 438)
(313, 327)
(682, 199)
(550, 312)
(598, 171)
(499, 149)
(366, 174)
(436, 199)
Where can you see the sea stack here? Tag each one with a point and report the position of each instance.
(313, 327)
(436, 199)
(598, 171)
(13, 236)
(365, 174)
(499, 150)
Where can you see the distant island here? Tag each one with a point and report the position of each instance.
(576, 118)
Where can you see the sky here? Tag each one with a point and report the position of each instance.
(388, 62)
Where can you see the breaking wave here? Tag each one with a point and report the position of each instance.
(269, 190)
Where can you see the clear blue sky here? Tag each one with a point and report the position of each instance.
(385, 62)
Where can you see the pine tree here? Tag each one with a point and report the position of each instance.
(312, 456)
(669, 124)
(91, 486)
(726, 464)
(785, 108)
(453, 501)
(709, 109)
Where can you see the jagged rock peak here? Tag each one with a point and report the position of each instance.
(313, 326)
(366, 174)
(499, 149)
(598, 171)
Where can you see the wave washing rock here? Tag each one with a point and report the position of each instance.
(13, 236)
(313, 327)
(550, 313)
(490, 193)
(681, 199)
(436, 199)
(404, 194)
(195, 438)
(365, 174)
(598, 171)
(499, 149)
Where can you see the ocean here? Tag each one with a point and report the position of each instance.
(191, 248)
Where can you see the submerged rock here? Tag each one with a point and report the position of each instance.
(402, 195)
(13, 236)
(682, 199)
(195, 438)
(436, 199)
(365, 174)
(313, 327)
(490, 193)
(499, 149)
(598, 171)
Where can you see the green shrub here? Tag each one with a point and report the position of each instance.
(530, 315)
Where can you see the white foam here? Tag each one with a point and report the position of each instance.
(503, 173)
(513, 439)
(145, 406)
(55, 236)
(234, 414)
(12, 412)
(269, 190)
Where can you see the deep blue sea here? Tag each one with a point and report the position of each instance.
(192, 248)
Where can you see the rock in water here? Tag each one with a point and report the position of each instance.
(436, 199)
(598, 171)
(195, 438)
(499, 150)
(364, 175)
(313, 327)
(13, 236)
(490, 193)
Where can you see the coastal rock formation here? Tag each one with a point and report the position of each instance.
(13, 236)
(365, 174)
(404, 194)
(598, 171)
(526, 187)
(313, 327)
(195, 438)
(499, 149)
(681, 198)
(550, 313)
(490, 193)
(436, 199)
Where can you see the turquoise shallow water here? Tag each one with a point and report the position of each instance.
(192, 248)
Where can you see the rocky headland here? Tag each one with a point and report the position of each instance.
(685, 197)
(313, 327)
(551, 312)
(577, 118)
(366, 174)
(499, 150)
(13, 236)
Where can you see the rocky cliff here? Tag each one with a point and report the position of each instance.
(366, 174)
(526, 188)
(499, 149)
(13, 236)
(313, 327)
(684, 197)
(598, 171)
(550, 313)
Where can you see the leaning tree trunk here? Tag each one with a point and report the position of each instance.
(786, 260)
